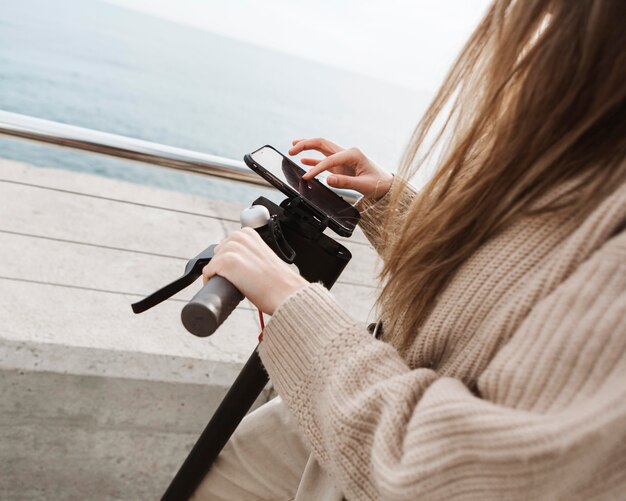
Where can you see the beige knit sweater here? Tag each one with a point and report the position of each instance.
(515, 387)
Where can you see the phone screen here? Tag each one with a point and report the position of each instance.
(312, 190)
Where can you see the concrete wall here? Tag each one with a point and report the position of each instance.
(98, 403)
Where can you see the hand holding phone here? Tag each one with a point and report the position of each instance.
(349, 168)
(288, 177)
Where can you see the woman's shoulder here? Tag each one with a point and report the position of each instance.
(615, 247)
(604, 228)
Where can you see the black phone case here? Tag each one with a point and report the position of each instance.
(291, 193)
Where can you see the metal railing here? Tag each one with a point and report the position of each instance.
(104, 143)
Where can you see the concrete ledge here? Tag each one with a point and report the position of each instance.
(73, 438)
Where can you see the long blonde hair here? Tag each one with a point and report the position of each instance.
(537, 97)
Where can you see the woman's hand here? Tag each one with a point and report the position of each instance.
(350, 168)
(245, 260)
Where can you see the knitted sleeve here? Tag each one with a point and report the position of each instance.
(373, 213)
(548, 416)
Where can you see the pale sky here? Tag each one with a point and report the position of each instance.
(409, 42)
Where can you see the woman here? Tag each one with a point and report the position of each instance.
(501, 373)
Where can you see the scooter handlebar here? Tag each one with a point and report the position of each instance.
(210, 306)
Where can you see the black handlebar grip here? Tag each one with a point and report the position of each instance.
(210, 306)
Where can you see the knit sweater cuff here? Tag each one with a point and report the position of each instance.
(373, 213)
(298, 332)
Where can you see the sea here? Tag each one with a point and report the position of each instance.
(105, 67)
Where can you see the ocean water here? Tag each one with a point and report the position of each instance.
(89, 63)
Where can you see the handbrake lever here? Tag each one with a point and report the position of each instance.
(193, 269)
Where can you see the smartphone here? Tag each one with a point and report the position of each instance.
(286, 175)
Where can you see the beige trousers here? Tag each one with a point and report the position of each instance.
(267, 459)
